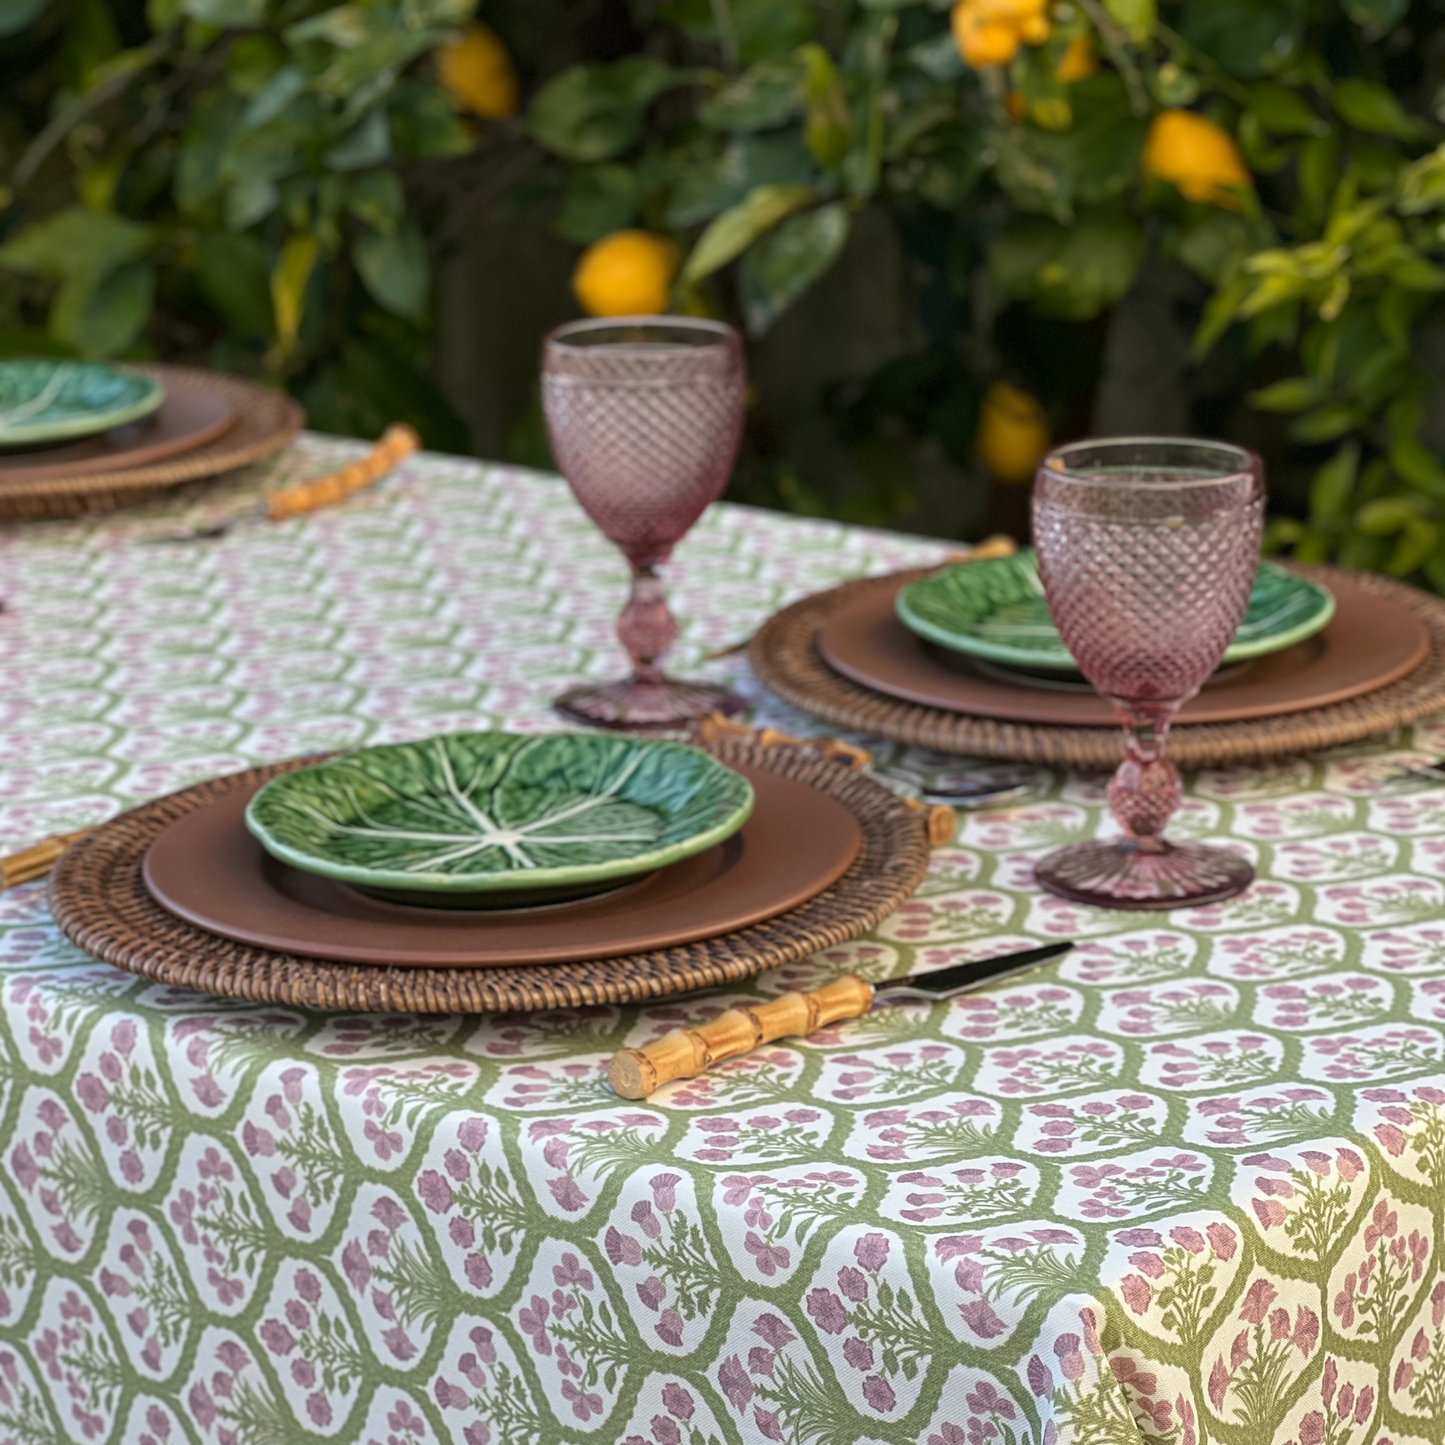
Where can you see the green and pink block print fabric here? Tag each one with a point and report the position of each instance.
(1186, 1185)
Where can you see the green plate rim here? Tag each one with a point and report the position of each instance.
(1020, 657)
(153, 395)
(534, 880)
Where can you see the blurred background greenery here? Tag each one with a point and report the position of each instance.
(951, 232)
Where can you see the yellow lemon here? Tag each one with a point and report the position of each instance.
(627, 273)
(1078, 62)
(980, 40)
(1013, 434)
(478, 74)
(1012, 12)
(1034, 29)
(1016, 105)
(1198, 156)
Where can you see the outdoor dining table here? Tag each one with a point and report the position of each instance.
(1187, 1184)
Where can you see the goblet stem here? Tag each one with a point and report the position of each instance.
(646, 627)
(1145, 791)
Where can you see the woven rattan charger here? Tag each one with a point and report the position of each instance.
(101, 904)
(265, 422)
(784, 655)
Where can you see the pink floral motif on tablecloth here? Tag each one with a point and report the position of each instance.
(864, 956)
(1303, 1198)
(119, 1088)
(1276, 953)
(949, 869)
(948, 917)
(1133, 1185)
(307, 1340)
(983, 1281)
(1167, 1008)
(57, 1007)
(382, 1035)
(288, 1144)
(882, 1072)
(796, 1131)
(1336, 858)
(1259, 1116)
(661, 1258)
(382, 1106)
(1136, 958)
(1013, 1012)
(1417, 1372)
(1407, 1121)
(1053, 1066)
(1036, 826)
(572, 1331)
(76, 1363)
(569, 1159)
(1093, 1122)
(535, 1035)
(1259, 1351)
(1336, 999)
(958, 1126)
(867, 1319)
(227, 1391)
(1171, 1275)
(1416, 949)
(575, 1083)
(1382, 1051)
(1262, 904)
(1227, 1059)
(775, 1212)
(763, 1076)
(395, 1419)
(207, 1052)
(216, 1223)
(61, 1182)
(151, 1423)
(1377, 1279)
(1381, 902)
(1409, 814)
(1304, 815)
(983, 1188)
(145, 1294)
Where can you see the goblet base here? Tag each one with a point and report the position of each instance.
(1122, 875)
(635, 704)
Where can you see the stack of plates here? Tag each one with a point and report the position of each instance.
(966, 659)
(491, 870)
(78, 436)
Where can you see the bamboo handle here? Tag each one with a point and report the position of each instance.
(34, 862)
(685, 1053)
(397, 443)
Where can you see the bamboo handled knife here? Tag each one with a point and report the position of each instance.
(685, 1053)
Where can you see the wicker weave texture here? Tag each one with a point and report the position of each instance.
(785, 656)
(101, 904)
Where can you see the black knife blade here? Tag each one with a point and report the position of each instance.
(942, 983)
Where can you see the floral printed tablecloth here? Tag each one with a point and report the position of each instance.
(1186, 1186)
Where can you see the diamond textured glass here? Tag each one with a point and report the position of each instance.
(644, 415)
(1147, 550)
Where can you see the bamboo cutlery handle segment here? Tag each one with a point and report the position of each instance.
(34, 862)
(685, 1053)
(397, 443)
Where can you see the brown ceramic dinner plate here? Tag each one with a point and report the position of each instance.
(191, 415)
(1371, 641)
(207, 869)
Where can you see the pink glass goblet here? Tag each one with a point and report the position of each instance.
(1147, 549)
(645, 415)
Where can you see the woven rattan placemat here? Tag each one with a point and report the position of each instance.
(101, 904)
(265, 422)
(785, 656)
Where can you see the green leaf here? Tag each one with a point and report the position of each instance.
(706, 184)
(938, 58)
(375, 197)
(1376, 17)
(737, 228)
(828, 124)
(368, 144)
(75, 242)
(1284, 111)
(230, 14)
(600, 199)
(763, 96)
(1325, 424)
(1419, 538)
(231, 272)
(1370, 107)
(1134, 17)
(1293, 394)
(1387, 514)
(15, 15)
(103, 316)
(1069, 271)
(782, 265)
(396, 270)
(289, 280)
(1248, 38)
(592, 113)
(198, 167)
(274, 97)
(1334, 484)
